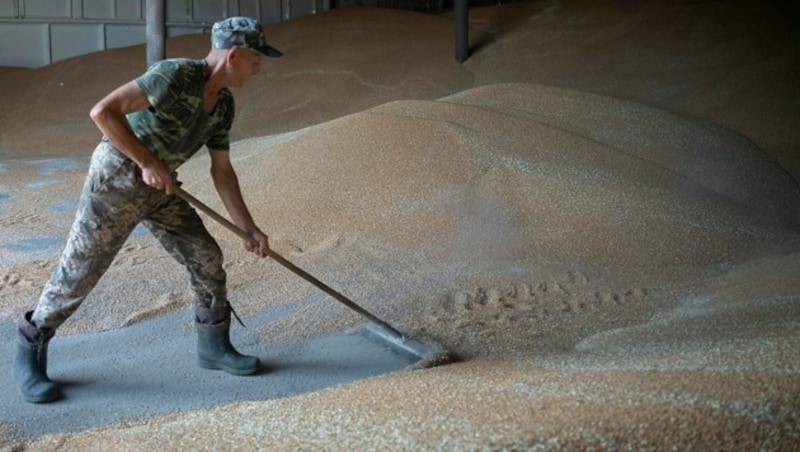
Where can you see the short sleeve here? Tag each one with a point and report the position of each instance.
(219, 135)
(158, 84)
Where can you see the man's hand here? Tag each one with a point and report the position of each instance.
(259, 245)
(156, 174)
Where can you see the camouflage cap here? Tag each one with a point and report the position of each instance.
(241, 32)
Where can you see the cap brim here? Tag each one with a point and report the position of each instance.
(269, 51)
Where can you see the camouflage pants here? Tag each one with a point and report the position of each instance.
(113, 202)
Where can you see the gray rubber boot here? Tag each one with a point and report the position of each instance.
(214, 349)
(30, 363)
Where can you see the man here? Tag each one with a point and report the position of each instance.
(152, 125)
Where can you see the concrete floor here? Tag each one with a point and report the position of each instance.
(150, 368)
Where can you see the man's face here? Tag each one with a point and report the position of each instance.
(243, 64)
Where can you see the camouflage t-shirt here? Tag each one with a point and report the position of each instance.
(175, 125)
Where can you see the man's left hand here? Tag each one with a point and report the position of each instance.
(259, 245)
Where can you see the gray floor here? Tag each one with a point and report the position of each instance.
(150, 368)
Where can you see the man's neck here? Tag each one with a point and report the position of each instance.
(214, 75)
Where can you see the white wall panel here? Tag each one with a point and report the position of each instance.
(124, 35)
(179, 10)
(46, 8)
(270, 11)
(129, 9)
(180, 31)
(249, 8)
(99, 9)
(211, 12)
(69, 40)
(29, 45)
(8, 8)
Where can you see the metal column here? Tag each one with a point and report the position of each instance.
(155, 27)
(462, 22)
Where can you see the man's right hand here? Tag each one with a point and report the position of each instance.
(158, 176)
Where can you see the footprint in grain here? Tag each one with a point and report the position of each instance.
(9, 280)
(567, 296)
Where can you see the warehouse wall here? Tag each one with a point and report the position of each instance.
(34, 33)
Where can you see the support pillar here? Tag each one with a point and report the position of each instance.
(461, 15)
(155, 28)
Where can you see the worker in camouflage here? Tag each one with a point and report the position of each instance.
(151, 125)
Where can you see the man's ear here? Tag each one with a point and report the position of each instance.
(233, 54)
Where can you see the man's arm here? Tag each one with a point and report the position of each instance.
(227, 185)
(109, 116)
